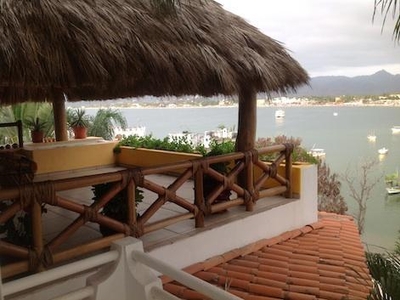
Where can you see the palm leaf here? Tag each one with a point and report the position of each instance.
(103, 123)
(385, 271)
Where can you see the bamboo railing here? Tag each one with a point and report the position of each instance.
(31, 197)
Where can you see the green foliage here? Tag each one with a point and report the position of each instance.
(389, 8)
(150, 142)
(219, 148)
(26, 112)
(397, 246)
(35, 124)
(18, 230)
(179, 145)
(392, 179)
(77, 118)
(385, 270)
(103, 123)
(117, 207)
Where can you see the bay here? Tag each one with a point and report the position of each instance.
(340, 130)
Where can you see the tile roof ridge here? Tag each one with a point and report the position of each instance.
(245, 250)
(334, 216)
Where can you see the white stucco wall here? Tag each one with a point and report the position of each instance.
(267, 224)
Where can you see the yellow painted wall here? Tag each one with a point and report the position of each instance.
(296, 177)
(71, 155)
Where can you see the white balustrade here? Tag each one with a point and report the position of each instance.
(125, 272)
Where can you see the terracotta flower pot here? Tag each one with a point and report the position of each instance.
(37, 136)
(80, 132)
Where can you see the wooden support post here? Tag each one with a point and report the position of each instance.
(20, 134)
(247, 122)
(246, 135)
(60, 116)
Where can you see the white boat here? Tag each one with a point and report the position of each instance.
(393, 190)
(317, 152)
(371, 137)
(383, 151)
(396, 129)
(279, 114)
(335, 114)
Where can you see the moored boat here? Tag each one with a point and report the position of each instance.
(383, 151)
(396, 129)
(317, 152)
(371, 137)
(279, 114)
(393, 190)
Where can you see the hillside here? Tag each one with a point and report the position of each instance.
(379, 83)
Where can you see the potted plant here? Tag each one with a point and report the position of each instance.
(117, 207)
(18, 229)
(37, 129)
(209, 183)
(79, 122)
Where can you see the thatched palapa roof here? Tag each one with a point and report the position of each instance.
(102, 49)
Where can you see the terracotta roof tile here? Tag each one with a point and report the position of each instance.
(323, 260)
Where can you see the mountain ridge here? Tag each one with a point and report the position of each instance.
(381, 82)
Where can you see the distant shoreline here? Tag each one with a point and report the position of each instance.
(232, 106)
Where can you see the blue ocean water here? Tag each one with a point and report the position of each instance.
(340, 130)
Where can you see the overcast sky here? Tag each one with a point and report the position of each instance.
(327, 37)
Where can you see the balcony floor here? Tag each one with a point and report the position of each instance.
(56, 218)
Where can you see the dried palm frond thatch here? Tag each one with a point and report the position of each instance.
(106, 49)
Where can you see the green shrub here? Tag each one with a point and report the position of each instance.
(117, 207)
(150, 142)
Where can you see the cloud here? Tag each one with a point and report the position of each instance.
(330, 37)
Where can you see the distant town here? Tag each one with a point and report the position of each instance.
(220, 101)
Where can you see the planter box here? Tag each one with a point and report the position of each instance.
(70, 155)
(141, 157)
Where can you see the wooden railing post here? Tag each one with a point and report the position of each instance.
(288, 169)
(249, 170)
(199, 196)
(131, 198)
(37, 233)
(20, 134)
